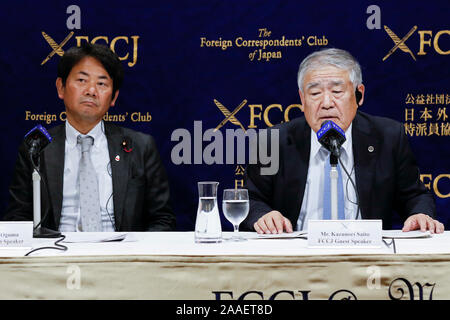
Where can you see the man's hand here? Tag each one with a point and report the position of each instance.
(423, 222)
(273, 222)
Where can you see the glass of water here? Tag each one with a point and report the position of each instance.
(235, 206)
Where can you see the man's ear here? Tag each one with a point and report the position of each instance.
(301, 100)
(361, 89)
(113, 101)
(60, 88)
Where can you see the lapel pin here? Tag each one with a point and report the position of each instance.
(117, 158)
(371, 148)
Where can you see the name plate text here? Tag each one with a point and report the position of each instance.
(16, 234)
(345, 233)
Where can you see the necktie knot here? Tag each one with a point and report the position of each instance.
(86, 143)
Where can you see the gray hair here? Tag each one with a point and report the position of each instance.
(335, 57)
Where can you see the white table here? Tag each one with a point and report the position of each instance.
(170, 265)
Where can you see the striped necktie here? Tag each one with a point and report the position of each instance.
(327, 192)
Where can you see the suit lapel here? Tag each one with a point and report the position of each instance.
(119, 160)
(365, 148)
(54, 168)
(300, 141)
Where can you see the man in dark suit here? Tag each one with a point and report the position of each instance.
(376, 154)
(96, 176)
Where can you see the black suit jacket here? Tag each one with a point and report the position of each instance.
(140, 186)
(387, 179)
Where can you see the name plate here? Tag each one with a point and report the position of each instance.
(345, 233)
(15, 234)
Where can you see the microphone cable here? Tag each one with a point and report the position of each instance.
(109, 171)
(346, 187)
(113, 221)
(56, 247)
(392, 243)
(354, 186)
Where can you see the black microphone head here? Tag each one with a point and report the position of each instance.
(330, 134)
(38, 138)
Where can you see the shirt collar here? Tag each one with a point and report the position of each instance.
(96, 133)
(347, 145)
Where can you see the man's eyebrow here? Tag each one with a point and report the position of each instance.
(312, 85)
(87, 75)
(336, 82)
(330, 83)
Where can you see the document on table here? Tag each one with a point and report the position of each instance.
(95, 237)
(397, 234)
(284, 235)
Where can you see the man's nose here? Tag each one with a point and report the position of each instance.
(91, 89)
(328, 101)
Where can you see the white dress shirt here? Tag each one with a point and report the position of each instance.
(70, 213)
(312, 205)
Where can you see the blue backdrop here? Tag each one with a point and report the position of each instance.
(175, 66)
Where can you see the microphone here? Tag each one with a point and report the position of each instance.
(37, 139)
(331, 136)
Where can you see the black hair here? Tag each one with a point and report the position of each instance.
(102, 53)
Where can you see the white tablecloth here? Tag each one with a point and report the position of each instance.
(171, 265)
(182, 243)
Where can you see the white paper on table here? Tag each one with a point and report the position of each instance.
(94, 237)
(284, 235)
(399, 234)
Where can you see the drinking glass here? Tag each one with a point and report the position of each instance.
(235, 206)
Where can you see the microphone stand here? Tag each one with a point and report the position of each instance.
(36, 198)
(38, 231)
(334, 175)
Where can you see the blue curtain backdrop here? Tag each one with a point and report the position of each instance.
(177, 62)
